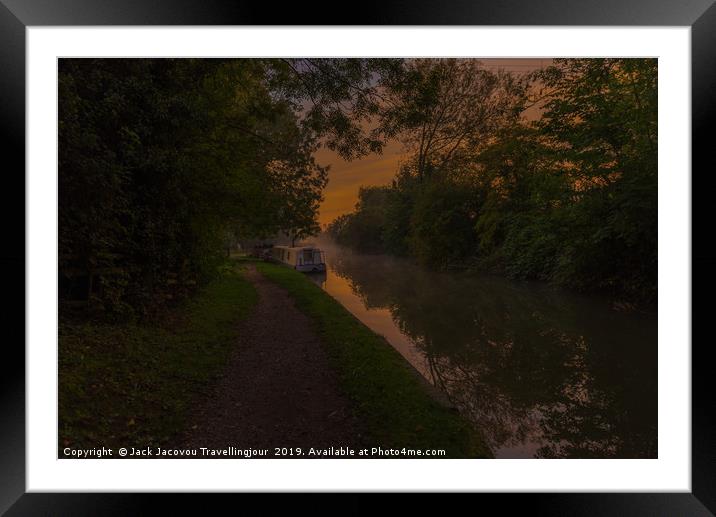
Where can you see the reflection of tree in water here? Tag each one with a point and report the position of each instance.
(604, 411)
(560, 374)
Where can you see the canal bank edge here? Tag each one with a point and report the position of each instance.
(398, 405)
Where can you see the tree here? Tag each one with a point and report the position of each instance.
(444, 109)
(363, 229)
(159, 158)
(570, 197)
(602, 119)
(338, 99)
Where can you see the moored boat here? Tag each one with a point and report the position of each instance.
(307, 259)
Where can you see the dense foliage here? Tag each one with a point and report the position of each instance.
(162, 162)
(570, 197)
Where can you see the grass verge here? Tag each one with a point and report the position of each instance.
(129, 384)
(390, 400)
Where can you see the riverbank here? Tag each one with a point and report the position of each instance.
(392, 403)
(129, 384)
(260, 360)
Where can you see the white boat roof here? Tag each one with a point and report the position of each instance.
(297, 248)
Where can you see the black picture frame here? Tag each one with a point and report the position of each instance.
(17, 15)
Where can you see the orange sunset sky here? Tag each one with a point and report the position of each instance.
(345, 178)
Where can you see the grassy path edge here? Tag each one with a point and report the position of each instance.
(395, 406)
(124, 384)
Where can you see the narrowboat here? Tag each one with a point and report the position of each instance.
(308, 259)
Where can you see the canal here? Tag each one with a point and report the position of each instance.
(541, 372)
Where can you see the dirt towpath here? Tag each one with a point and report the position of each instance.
(278, 389)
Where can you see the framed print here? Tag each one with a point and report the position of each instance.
(422, 250)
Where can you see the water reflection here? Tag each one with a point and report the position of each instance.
(541, 372)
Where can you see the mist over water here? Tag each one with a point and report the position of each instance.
(540, 371)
